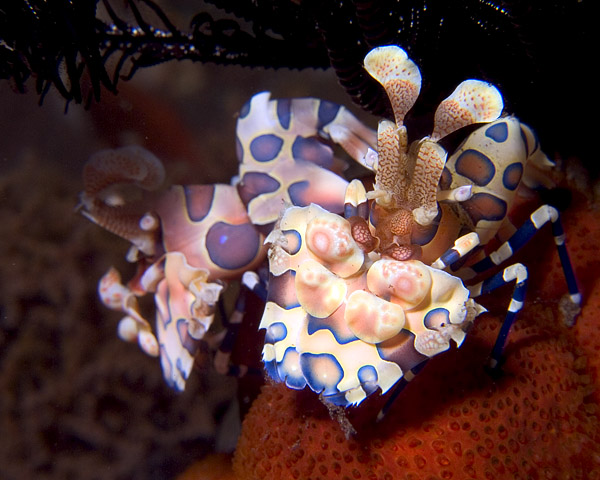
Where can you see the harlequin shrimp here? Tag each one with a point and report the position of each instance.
(188, 241)
(361, 303)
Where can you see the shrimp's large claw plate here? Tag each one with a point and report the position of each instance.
(346, 325)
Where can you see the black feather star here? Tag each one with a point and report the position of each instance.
(534, 51)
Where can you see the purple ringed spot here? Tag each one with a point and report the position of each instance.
(436, 318)
(512, 176)
(303, 194)
(294, 241)
(497, 132)
(282, 291)
(164, 315)
(367, 376)
(254, 184)
(180, 369)
(401, 350)
(198, 201)
(475, 166)
(245, 110)
(271, 369)
(272, 372)
(239, 150)
(284, 112)
(327, 112)
(527, 140)
(288, 370)
(299, 193)
(322, 372)
(484, 206)
(275, 333)
(445, 179)
(232, 247)
(421, 235)
(374, 215)
(311, 150)
(266, 147)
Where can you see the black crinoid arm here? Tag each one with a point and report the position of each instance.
(535, 52)
(62, 43)
(56, 42)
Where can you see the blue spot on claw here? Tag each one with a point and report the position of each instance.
(497, 132)
(475, 166)
(266, 147)
(232, 246)
(284, 112)
(512, 176)
(322, 372)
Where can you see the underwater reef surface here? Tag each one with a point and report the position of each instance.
(539, 420)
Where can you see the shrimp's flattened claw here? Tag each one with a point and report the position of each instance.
(398, 74)
(473, 101)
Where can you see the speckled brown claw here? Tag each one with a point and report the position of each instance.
(108, 178)
(473, 101)
(398, 74)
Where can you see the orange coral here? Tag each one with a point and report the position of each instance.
(454, 421)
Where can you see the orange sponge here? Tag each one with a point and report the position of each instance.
(454, 421)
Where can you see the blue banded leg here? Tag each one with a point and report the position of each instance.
(514, 273)
(571, 305)
(251, 283)
(399, 388)
(462, 246)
